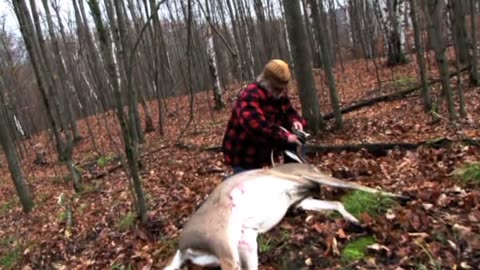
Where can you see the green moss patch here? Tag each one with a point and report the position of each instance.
(405, 82)
(355, 250)
(267, 242)
(104, 161)
(6, 207)
(359, 202)
(127, 221)
(468, 173)
(10, 259)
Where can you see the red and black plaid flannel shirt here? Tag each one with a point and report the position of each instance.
(254, 127)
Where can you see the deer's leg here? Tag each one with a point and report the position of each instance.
(248, 249)
(201, 258)
(227, 264)
(320, 205)
(176, 261)
(228, 248)
(230, 257)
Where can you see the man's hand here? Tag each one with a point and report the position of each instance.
(292, 138)
(297, 125)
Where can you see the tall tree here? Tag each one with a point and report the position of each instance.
(34, 41)
(266, 51)
(427, 103)
(389, 13)
(313, 37)
(457, 17)
(433, 13)
(248, 35)
(303, 66)
(357, 27)
(458, 58)
(13, 161)
(61, 69)
(319, 16)
(116, 80)
(212, 64)
(160, 63)
(474, 79)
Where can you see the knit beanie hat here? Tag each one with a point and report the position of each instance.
(277, 70)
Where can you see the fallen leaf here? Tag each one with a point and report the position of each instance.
(390, 215)
(461, 229)
(341, 234)
(442, 200)
(427, 206)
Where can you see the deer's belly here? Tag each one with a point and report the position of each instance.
(263, 217)
(262, 204)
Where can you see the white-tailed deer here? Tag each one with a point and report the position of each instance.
(223, 231)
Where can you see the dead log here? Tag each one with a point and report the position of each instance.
(386, 98)
(381, 149)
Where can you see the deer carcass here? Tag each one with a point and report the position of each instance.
(223, 231)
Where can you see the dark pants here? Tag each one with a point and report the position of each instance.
(239, 169)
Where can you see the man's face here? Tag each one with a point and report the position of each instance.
(279, 89)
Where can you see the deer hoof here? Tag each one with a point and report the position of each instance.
(356, 227)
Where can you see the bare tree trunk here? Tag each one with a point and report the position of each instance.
(126, 124)
(338, 49)
(144, 44)
(8, 146)
(236, 36)
(303, 65)
(402, 23)
(319, 16)
(45, 79)
(458, 57)
(66, 83)
(289, 46)
(65, 86)
(388, 12)
(31, 43)
(234, 72)
(212, 64)
(380, 14)
(457, 16)
(148, 115)
(395, 54)
(427, 103)
(248, 45)
(261, 23)
(356, 20)
(313, 37)
(160, 59)
(370, 33)
(461, 95)
(433, 15)
(353, 27)
(474, 79)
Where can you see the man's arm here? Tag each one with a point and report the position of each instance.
(292, 114)
(253, 120)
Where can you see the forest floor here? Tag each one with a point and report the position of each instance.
(438, 229)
